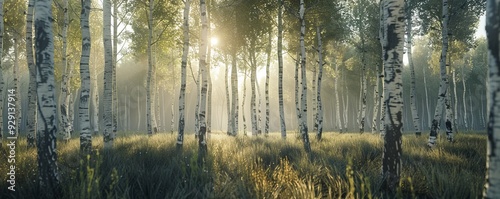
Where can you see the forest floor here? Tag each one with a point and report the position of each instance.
(340, 166)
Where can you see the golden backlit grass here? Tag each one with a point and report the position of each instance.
(340, 166)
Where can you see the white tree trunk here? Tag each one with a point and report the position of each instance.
(413, 100)
(375, 102)
(448, 116)
(427, 100)
(243, 102)
(268, 64)
(363, 95)
(455, 102)
(303, 96)
(313, 97)
(32, 110)
(337, 100)
(319, 114)
(346, 104)
(492, 186)
(393, 43)
(197, 107)
(65, 84)
(259, 107)
(149, 96)
(296, 77)
(209, 75)
(115, 54)
(48, 173)
(228, 106)
(83, 109)
(182, 93)
(253, 73)
(464, 99)
(443, 85)
(202, 142)
(108, 134)
(234, 101)
(280, 69)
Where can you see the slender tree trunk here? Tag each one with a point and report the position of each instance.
(234, 101)
(443, 85)
(381, 35)
(48, 174)
(253, 73)
(413, 97)
(65, 85)
(319, 114)
(455, 105)
(108, 134)
(268, 64)
(149, 96)
(296, 77)
(32, 110)
(375, 103)
(243, 102)
(492, 186)
(363, 96)
(393, 43)
(464, 99)
(228, 106)
(303, 97)
(346, 104)
(448, 116)
(313, 97)
(115, 55)
(197, 107)
(2, 84)
(185, 52)
(337, 100)
(280, 69)
(202, 142)
(83, 111)
(138, 112)
(427, 100)
(209, 75)
(259, 107)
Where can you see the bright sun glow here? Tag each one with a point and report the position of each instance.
(214, 41)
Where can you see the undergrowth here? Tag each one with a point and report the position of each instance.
(340, 166)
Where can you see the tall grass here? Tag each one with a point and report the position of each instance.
(340, 166)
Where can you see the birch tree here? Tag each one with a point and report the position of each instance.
(243, 102)
(413, 105)
(185, 53)
(234, 95)
(108, 134)
(149, 103)
(443, 85)
(228, 100)
(303, 112)
(393, 43)
(65, 85)
(268, 63)
(48, 174)
(319, 114)
(280, 69)
(32, 74)
(83, 109)
(492, 186)
(202, 142)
